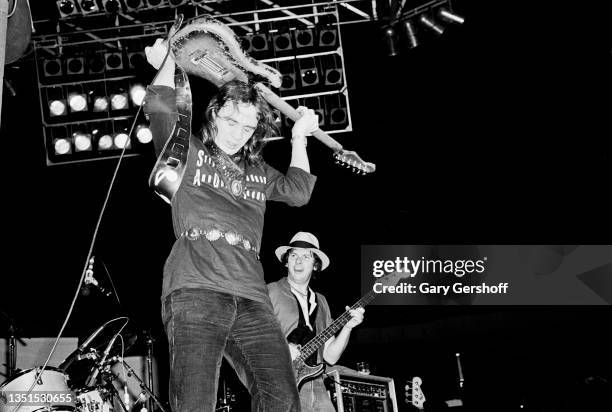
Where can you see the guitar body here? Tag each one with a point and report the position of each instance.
(209, 49)
(304, 372)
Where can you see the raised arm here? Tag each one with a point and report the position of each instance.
(306, 124)
(155, 56)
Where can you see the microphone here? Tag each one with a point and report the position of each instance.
(90, 282)
(90, 339)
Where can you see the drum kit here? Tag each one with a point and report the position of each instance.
(85, 381)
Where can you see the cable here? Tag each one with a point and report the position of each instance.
(328, 375)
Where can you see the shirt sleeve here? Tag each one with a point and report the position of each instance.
(160, 108)
(294, 188)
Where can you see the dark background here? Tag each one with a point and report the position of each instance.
(496, 132)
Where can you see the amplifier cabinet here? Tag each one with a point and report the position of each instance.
(352, 391)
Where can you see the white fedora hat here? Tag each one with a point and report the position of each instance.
(304, 240)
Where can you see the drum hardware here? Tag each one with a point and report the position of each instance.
(149, 342)
(144, 387)
(13, 337)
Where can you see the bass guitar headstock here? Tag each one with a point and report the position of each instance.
(414, 394)
(351, 159)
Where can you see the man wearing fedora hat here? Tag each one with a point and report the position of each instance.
(303, 313)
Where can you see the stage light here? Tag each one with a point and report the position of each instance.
(112, 6)
(288, 82)
(133, 4)
(409, 29)
(114, 61)
(176, 3)
(77, 102)
(328, 37)
(337, 116)
(259, 42)
(57, 107)
(89, 6)
(52, 67)
(82, 141)
(308, 72)
(303, 38)
(282, 42)
(66, 7)
(95, 64)
(62, 146)
(100, 103)
(121, 140)
(103, 137)
(137, 60)
(119, 101)
(137, 94)
(449, 16)
(143, 133)
(337, 111)
(333, 76)
(391, 41)
(75, 65)
(430, 24)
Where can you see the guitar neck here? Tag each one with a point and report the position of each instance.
(286, 109)
(316, 342)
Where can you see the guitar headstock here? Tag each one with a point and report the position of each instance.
(352, 160)
(414, 394)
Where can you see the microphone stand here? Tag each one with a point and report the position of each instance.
(149, 342)
(131, 372)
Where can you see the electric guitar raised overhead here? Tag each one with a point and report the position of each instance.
(207, 48)
(303, 371)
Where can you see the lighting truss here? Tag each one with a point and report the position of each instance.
(88, 65)
(411, 27)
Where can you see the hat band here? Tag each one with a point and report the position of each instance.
(302, 244)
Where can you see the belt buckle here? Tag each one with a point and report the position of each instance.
(232, 238)
(246, 244)
(193, 233)
(213, 234)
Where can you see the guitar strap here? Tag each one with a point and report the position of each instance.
(169, 169)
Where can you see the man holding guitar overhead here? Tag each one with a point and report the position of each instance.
(303, 314)
(214, 297)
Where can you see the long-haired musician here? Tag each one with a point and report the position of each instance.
(214, 298)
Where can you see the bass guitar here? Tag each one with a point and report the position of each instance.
(207, 48)
(303, 371)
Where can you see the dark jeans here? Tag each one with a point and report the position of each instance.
(202, 326)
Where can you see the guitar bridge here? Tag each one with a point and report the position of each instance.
(200, 58)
